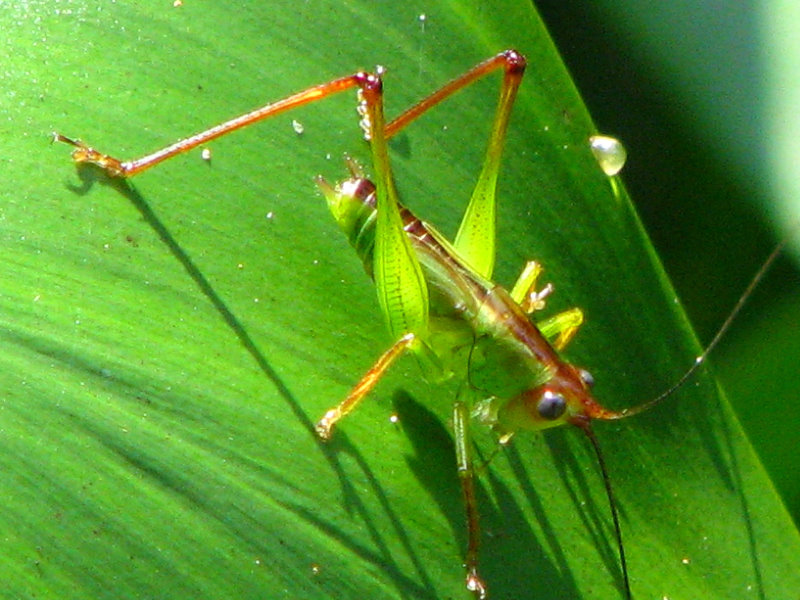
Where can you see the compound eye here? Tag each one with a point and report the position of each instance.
(551, 406)
(587, 378)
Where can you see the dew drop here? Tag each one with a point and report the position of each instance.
(609, 152)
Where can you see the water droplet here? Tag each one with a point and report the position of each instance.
(609, 152)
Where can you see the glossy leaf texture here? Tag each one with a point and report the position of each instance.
(168, 345)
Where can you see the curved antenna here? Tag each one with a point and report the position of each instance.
(628, 412)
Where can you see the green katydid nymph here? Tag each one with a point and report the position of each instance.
(438, 298)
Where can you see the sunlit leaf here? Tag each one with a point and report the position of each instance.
(168, 345)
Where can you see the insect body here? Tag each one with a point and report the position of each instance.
(474, 327)
(437, 297)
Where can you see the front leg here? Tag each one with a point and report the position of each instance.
(466, 474)
(364, 386)
(524, 291)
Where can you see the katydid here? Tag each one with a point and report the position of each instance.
(438, 297)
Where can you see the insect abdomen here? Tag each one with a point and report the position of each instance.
(454, 289)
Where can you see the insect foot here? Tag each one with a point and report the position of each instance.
(324, 427)
(84, 154)
(476, 585)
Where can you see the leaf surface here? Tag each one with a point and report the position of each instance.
(168, 345)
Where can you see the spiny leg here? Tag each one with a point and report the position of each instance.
(466, 475)
(128, 168)
(118, 168)
(364, 386)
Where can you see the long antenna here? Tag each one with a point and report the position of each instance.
(585, 425)
(628, 412)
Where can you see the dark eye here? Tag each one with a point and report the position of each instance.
(551, 406)
(587, 378)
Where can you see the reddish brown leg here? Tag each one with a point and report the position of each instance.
(510, 60)
(128, 168)
(363, 387)
(466, 474)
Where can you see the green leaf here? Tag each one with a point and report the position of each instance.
(168, 345)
